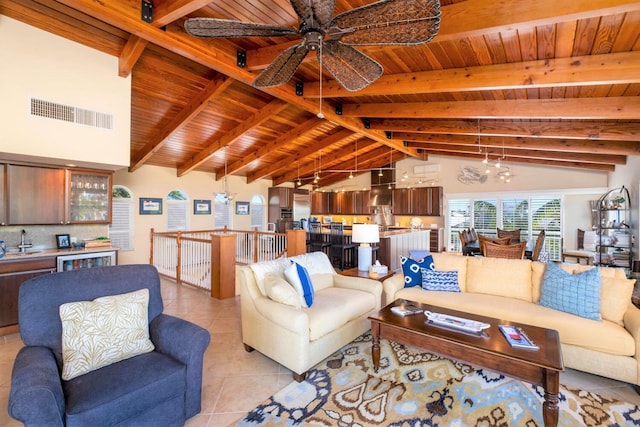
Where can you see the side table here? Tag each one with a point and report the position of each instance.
(354, 272)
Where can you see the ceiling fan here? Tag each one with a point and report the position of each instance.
(386, 22)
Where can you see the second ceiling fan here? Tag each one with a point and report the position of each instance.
(386, 22)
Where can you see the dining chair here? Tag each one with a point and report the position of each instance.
(538, 246)
(514, 235)
(482, 239)
(494, 250)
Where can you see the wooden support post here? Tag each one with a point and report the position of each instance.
(296, 242)
(223, 265)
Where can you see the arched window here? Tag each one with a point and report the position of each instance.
(177, 211)
(121, 227)
(221, 211)
(258, 207)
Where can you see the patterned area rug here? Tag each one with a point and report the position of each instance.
(413, 388)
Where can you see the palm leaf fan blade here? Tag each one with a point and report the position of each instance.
(214, 28)
(315, 13)
(389, 22)
(351, 68)
(282, 68)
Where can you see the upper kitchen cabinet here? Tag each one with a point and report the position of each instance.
(281, 197)
(424, 201)
(321, 203)
(35, 195)
(89, 197)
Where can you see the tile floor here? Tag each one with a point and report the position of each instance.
(235, 381)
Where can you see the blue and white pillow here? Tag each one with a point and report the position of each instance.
(411, 270)
(577, 294)
(299, 278)
(433, 280)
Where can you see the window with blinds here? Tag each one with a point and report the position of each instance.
(257, 213)
(530, 214)
(221, 212)
(177, 211)
(121, 227)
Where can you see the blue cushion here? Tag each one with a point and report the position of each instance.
(299, 278)
(411, 270)
(433, 280)
(577, 294)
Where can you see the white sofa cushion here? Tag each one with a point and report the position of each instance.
(334, 307)
(499, 276)
(319, 267)
(279, 290)
(260, 270)
(299, 278)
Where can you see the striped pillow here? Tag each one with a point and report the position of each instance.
(433, 280)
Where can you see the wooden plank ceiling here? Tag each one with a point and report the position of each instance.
(538, 82)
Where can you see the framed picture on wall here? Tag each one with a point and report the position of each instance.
(202, 207)
(242, 208)
(150, 206)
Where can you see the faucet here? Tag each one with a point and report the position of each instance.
(23, 246)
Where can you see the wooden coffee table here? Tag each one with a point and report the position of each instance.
(490, 349)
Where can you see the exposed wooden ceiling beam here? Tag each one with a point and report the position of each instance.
(565, 164)
(608, 108)
(168, 11)
(594, 130)
(259, 117)
(130, 55)
(562, 145)
(314, 149)
(199, 103)
(613, 68)
(495, 153)
(281, 141)
(328, 178)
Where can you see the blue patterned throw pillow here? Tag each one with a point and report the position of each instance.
(434, 280)
(577, 294)
(299, 278)
(411, 270)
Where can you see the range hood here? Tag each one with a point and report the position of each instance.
(381, 197)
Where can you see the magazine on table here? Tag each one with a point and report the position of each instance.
(406, 310)
(516, 337)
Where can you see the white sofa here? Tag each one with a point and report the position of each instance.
(298, 337)
(509, 289)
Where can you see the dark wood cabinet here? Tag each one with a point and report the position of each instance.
(424, 201)
(341, 203)
(35, 195)
(321, 203)
(12, 275)
(281, 197)
(361, 200)
(3, 195)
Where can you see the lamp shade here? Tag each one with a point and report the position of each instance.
(365, 233)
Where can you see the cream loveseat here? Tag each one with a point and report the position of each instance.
(509, 289)
(300, 337)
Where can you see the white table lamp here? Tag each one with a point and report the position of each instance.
(365, 234)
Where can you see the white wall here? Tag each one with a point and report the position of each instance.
(41, 65)
(154, 181)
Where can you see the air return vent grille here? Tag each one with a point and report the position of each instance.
(67, 113)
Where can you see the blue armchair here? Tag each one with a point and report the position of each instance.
(159, 388)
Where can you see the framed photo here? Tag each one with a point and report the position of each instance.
(202, 207)
(242, 208)
(150, 206)
(63, 241)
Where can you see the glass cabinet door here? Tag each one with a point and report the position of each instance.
(89, 197)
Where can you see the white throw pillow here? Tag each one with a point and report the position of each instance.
(103, 331)
(279, 290)
(299, 278)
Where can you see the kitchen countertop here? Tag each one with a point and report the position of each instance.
(40, 253)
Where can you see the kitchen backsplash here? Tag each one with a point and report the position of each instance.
(44, 236)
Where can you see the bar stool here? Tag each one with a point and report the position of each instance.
(317, 241)
(342, 250)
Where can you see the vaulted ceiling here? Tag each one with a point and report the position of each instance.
(544, 82)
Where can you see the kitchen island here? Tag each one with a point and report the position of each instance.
(398, 242)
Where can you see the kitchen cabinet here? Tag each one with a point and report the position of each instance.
(281, 197)
(35, 195)
(361, 200)
(424, 201)
(3, 195)
(79, 261)
(89, 197)
(321, 203)
(14, 273)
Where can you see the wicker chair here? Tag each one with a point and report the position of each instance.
(514, 235)
(538, 246)
(496, 240)
(494, 250)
